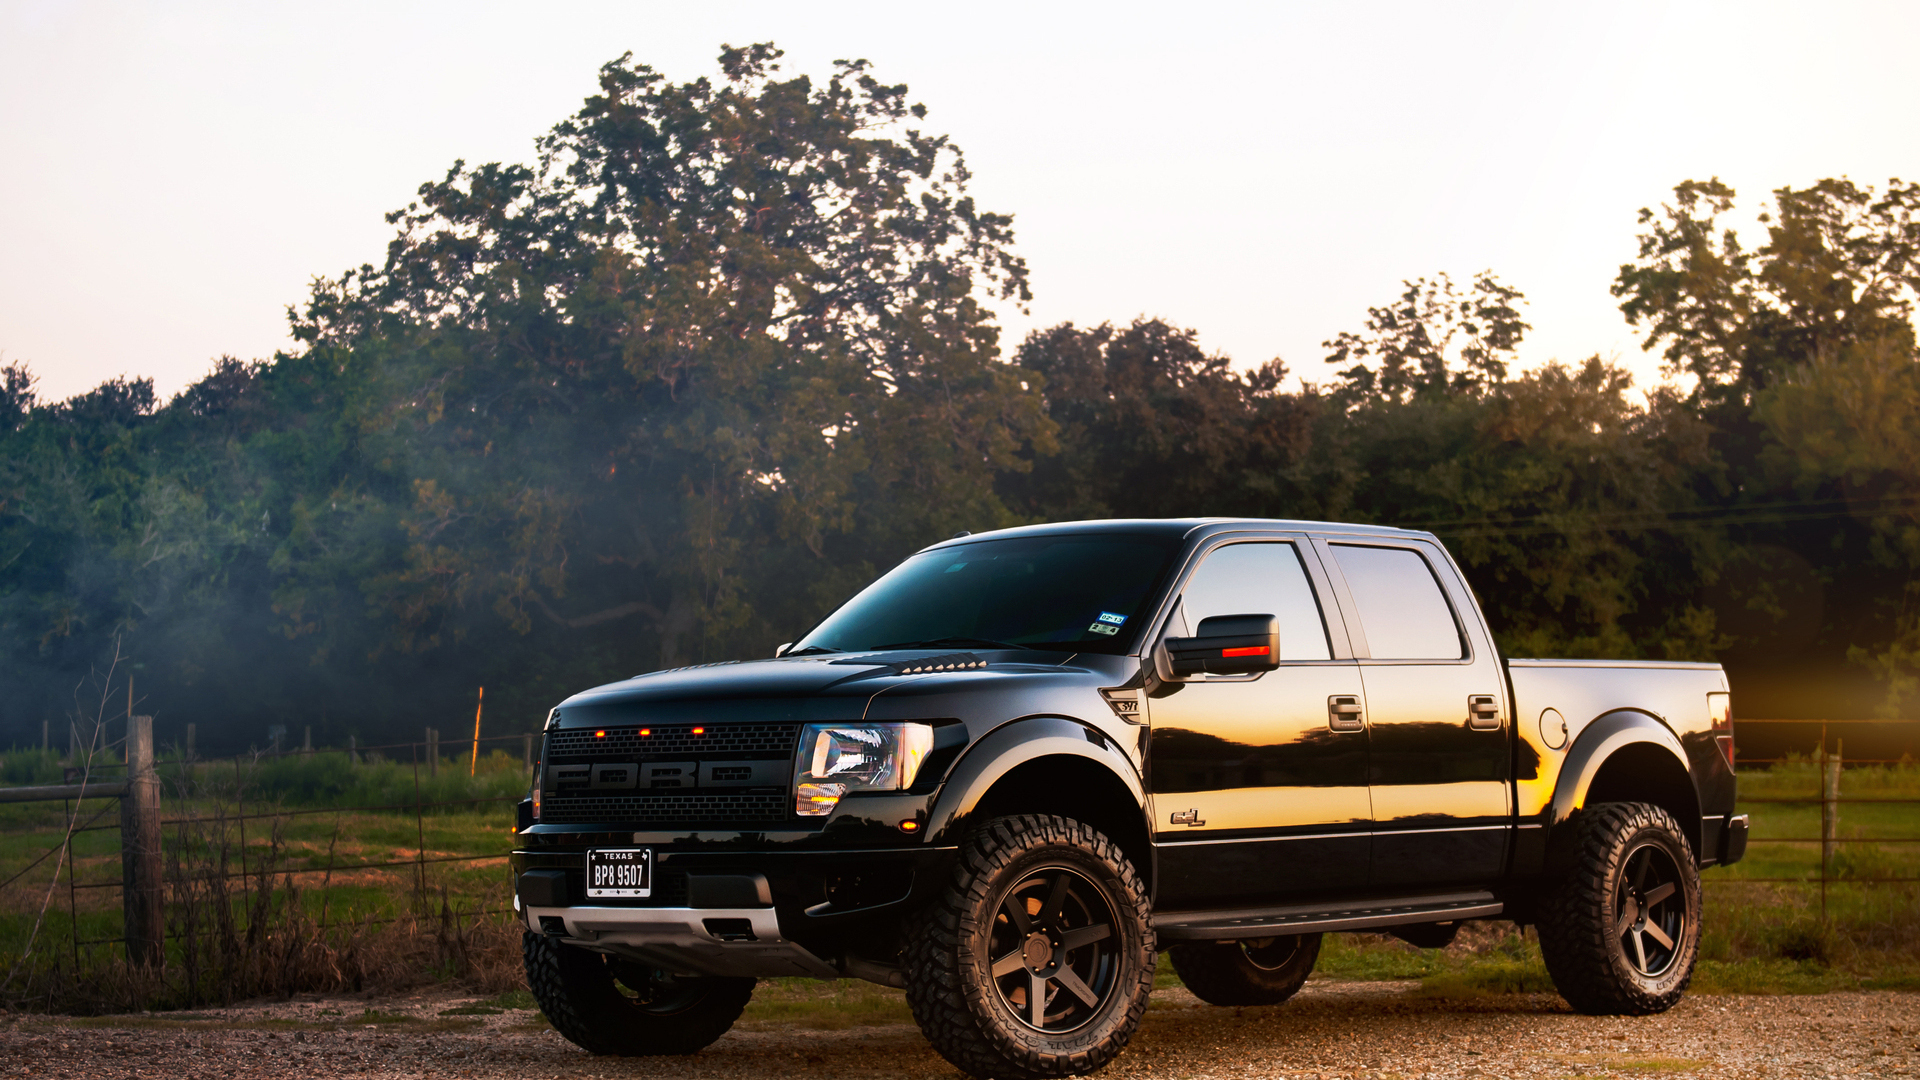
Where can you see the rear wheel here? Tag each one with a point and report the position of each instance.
(1038, 960)
(1620, 928)
(1261, 971)
(611, 1005)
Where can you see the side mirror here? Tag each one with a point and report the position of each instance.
(1227, 645)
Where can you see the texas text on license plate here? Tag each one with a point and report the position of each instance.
(620, 872)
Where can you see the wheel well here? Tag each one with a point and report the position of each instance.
(1077, 788)
(1645, 772)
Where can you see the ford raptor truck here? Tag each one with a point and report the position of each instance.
(1005, 774)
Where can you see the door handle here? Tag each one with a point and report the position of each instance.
(1483, 713)
(1343, 713)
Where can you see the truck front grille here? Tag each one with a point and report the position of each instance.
(671, 740)
(698, 809)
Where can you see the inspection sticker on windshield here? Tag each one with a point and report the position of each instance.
(1108, 623)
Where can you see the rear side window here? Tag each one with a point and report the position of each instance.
(1259, 579)
(1402, 610)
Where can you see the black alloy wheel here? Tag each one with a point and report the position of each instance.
(1052, 952)
(1650, 910)
(1620, 916)
(1037, 960)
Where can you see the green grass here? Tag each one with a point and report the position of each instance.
(1759, 937)
(317, 848)
(512, 999)
(831, 1006)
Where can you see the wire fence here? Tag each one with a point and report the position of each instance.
(1829, 764)
(205, 799)
(232, 792)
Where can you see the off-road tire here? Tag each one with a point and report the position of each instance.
(1006, 866)
(1265, 971)
(580, 991)
(1594, 918)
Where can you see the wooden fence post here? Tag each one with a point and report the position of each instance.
(190, 732)
(306, 740)
(46, 733)
(353, 749)
(526, 753)
(140, 848)
(433, 751)
(1829, 815)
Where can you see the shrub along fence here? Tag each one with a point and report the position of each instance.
(234, 874)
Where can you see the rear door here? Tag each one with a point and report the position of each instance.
(1439, 762)
(1256, 796)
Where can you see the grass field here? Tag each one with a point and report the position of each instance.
(316, 872)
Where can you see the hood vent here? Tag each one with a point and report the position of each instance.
(960, 661)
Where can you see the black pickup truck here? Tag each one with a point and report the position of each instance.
(1009, 771)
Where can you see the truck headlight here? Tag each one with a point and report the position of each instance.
(839, 758)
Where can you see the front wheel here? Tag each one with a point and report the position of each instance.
(1261, 971)
(1620, 928)
(611, 1005)
(1037, 962)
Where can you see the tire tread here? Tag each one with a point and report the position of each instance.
(1574, 921)
(945, 1002)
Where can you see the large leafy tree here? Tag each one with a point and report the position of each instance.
(1802, 356)
(722, 337)
(1152, 425)
(1554, 488)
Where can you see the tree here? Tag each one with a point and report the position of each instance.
(721, 337)
(1152, 425)
(1802, 353)
(1435, 340)
(1553, 489)
(1840, 268)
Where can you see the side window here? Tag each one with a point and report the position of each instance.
(1402, 610)
(1259, 579)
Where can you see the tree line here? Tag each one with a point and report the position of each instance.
(724, 351)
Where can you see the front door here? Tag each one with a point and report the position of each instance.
(1256, 796)
(1436, 710)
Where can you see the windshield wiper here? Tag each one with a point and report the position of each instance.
(953, 642)
(808, 651)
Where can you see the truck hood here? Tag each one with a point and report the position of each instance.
(806, 689)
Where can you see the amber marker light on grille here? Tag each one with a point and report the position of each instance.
(599, 734)
(699, 731)
(645, 732)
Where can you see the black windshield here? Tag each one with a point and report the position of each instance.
(1083, 593)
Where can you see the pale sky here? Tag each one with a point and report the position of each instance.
(173, 175)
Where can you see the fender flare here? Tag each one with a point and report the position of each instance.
(1016, 743)
(1599, 741)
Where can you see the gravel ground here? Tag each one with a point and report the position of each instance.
(1333, 1029)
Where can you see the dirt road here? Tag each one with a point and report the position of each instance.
(1333, 1029)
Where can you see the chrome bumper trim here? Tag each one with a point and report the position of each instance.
(687, 941)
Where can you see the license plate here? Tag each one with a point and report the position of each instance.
(620, 872)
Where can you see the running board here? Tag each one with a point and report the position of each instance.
(1309, 918)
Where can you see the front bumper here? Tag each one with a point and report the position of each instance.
(718, 912)
(691, 941)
